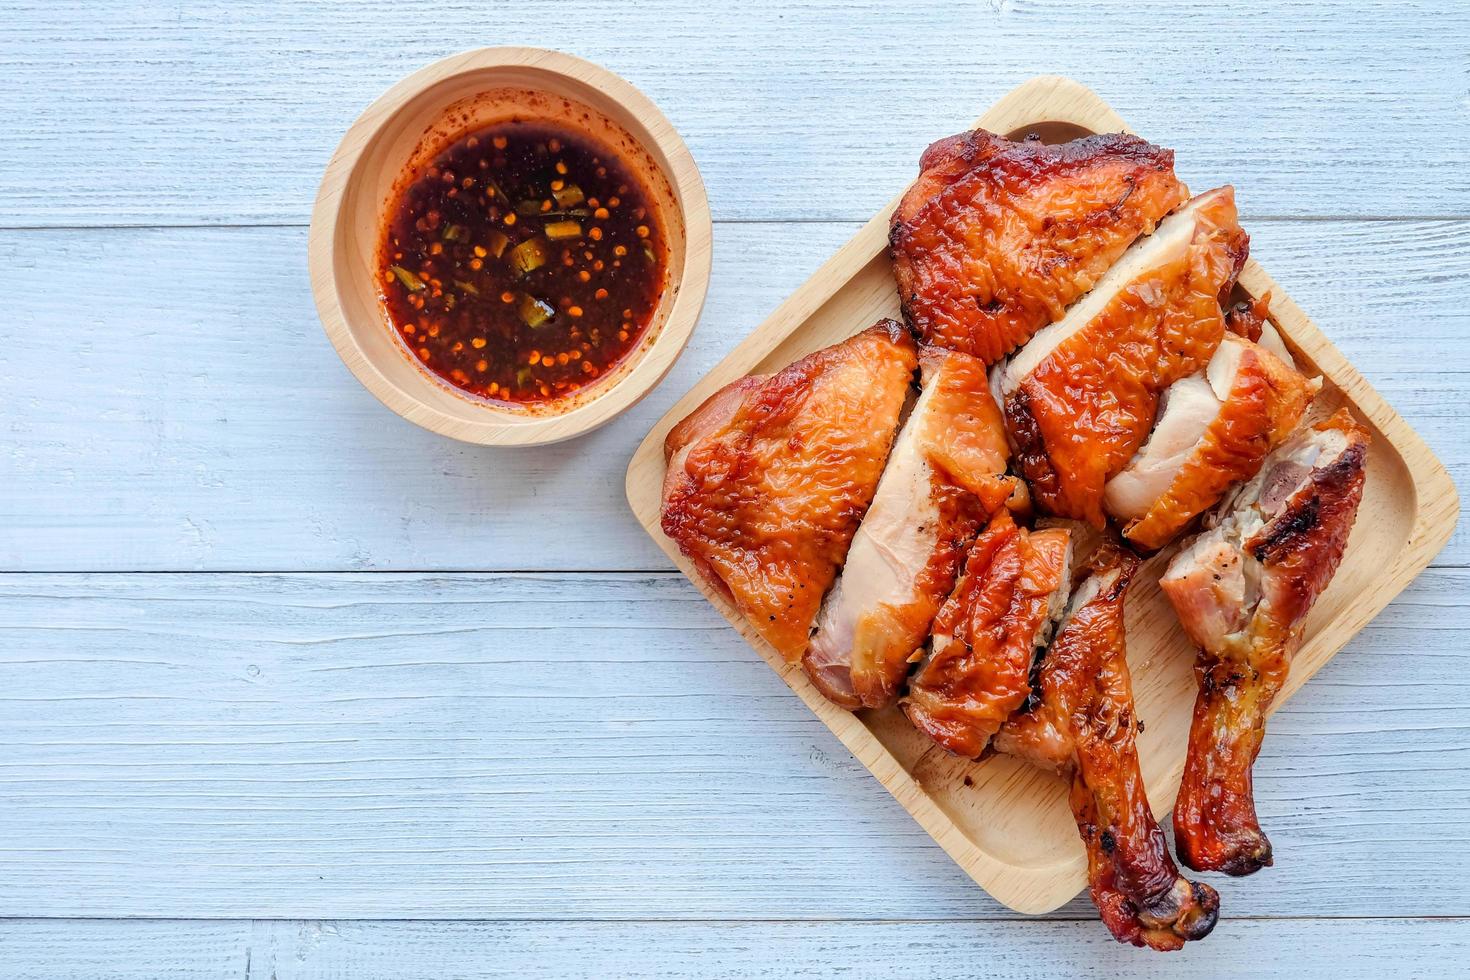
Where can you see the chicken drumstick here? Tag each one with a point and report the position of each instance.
(1081, 722)
(1242, 590)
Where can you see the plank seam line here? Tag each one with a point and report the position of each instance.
(239, 225)
(308, 572)
(646, 920)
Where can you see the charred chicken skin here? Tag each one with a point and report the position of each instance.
(768, 479)
(1012, 591)
(1082, 395)
(1242, 591)
(945, 476)
(1214, 429)
(997, 238)
(1081, 723)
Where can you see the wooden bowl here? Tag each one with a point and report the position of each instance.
(411, 122)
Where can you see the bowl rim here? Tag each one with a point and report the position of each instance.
(500, 428)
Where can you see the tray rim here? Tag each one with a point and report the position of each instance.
(1436, 504)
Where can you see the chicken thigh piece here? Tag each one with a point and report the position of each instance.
(1214, 429)
(997, 238)
(988, 633)
(1242, 590)
(1081, 396)
(768, 479)
(1081, 723)
(945, 476)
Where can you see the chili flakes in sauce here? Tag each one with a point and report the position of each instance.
(522, 263)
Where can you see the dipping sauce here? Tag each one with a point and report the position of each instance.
(522, 263)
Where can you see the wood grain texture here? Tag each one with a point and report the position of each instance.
(219, 430)
(179, 949)
(227, 111)
(152, 772)
(1308, 949)
(531, 746)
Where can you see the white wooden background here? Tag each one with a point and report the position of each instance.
(290, 688)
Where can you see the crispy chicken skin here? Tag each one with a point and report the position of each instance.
(942, 163)
(1082, 724)
(1242, 591)
(996, 238)
(1251, 319)
(1081, 397)
(987, 633)
(1256, 401)
(945, 476)
(768, 479)
(966, 437)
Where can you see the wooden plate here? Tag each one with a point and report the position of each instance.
(1006, 823)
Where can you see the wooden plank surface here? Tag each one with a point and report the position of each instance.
(59, 949)
(557, 753)
(227, 111)
(218, 430)
(1300, 949)
(528, 746)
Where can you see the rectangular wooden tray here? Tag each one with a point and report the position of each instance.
(1006, 823)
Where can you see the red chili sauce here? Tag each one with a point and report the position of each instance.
(523, 262)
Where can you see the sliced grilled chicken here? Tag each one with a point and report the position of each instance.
(945, 476)
(1242, 591)
(1081, 396)
(1214, 429)
(989, 631)
(1082, 724)
(996, 238)
(1251, 319)
(768, 479)
(1186, 409)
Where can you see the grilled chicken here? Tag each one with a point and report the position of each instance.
(1251, 319)
(768, 479)
(1081, 723)
(988, 633)
(1081, 396)
(1242, 590)
(946, 474)
(997, 238)
(1214, 429)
